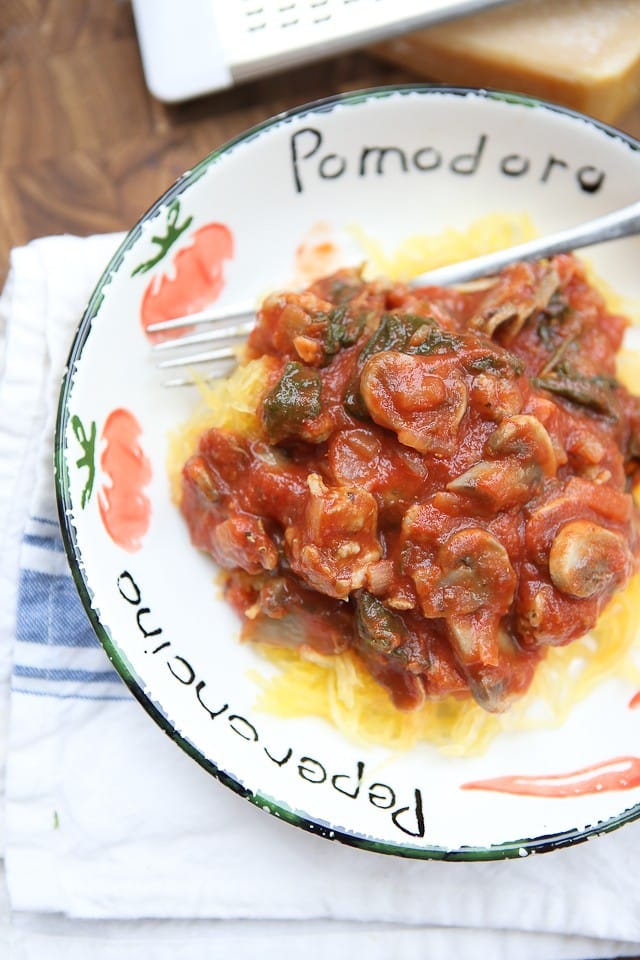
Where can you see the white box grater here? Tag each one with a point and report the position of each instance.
(192, 47)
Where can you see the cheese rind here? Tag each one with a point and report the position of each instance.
(584, 54)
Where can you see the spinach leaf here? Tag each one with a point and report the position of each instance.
(595, 393)
(294, 399)
(378, 627)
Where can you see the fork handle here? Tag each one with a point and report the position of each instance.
(620, 223)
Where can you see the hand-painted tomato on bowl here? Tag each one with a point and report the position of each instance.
(488, 452)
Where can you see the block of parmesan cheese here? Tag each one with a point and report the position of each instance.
(584, 54)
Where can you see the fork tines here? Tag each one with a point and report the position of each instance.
(225, 326)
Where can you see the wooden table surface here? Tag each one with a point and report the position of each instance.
(84, 148)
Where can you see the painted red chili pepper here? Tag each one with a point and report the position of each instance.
(124, 507)
(619, 773)
(195, 280)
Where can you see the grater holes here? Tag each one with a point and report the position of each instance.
(315, 5)
(254, 23)
(295, 17)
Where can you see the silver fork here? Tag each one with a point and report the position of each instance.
(227, 325)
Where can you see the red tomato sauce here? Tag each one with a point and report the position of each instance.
(443, 482)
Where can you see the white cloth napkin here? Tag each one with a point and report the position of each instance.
(105, 818)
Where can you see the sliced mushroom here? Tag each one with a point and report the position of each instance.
(520, 455)
(407, 394)
(473, 644)
(586, 559)
(521, 291)
(499, 484)
(496, 670)
(474, 571)
(526, 439)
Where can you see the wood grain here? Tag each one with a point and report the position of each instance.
(84, 147)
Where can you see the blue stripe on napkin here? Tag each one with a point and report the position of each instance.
(66, 673)
(57, 653)
(49, 543)
(55, 695)
(55, 594)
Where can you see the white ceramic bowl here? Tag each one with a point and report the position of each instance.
(392, 162)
